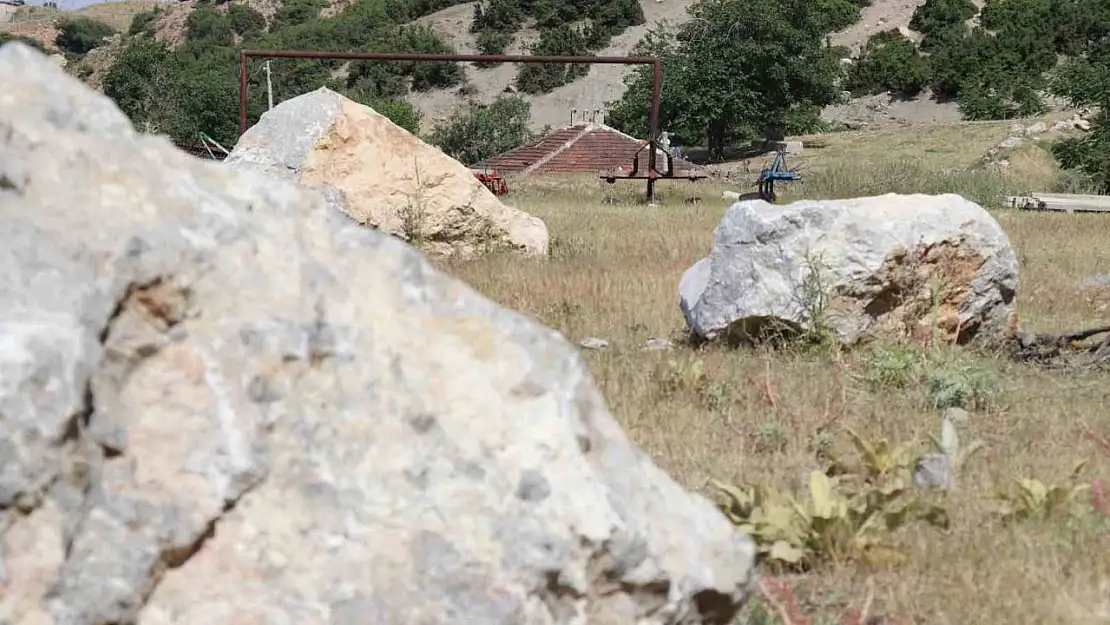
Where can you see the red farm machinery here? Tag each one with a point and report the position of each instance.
(493, 181)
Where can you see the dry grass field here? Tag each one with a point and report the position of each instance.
(763, 417)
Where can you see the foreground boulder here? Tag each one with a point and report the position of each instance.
(222, 401)
(895, 267)
(384, 177)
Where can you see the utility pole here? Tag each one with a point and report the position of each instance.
(269, 84)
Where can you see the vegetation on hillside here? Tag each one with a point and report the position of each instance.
(567, 28)
(194, 87)
(734, 71)
(485, 130)
(999, 68)
(78, 35)
(1085, 81)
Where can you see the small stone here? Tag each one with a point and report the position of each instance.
(1010, 142)
(594, 343)
(1094, 281)
(1036, 129)
(657, 345)
(933, 471)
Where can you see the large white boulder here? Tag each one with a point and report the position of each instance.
(384, 177)
(897, 267)
(222, 401)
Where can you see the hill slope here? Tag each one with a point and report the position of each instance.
(606, 82)
(603, 83)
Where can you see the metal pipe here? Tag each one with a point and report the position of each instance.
(656, 98)
(449, 58)
(242, 93)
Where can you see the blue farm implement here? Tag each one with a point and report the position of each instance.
(778, 171)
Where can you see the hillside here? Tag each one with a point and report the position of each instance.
(601, 84)
(606, 82)
(39, 22)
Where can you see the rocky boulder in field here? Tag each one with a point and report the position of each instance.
(384, 177)
(895, 267)
(221, 401)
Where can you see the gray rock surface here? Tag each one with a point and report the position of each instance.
(934, 471)
(890, 266)
(223, 402)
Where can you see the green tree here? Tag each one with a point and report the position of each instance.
(1085, 81)
(998, 69)
(141, 82)
(889, 62)
(78, 35)
(208, 26)
(938, 18)
(738, 69)
(484, 130)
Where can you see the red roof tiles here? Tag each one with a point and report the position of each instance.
(582, 148)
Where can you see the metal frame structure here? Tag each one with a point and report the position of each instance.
(652, 173)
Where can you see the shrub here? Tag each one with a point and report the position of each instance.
(483, 130)
(293, 12)
(78, 35)
(143, 23)
(244, 20)
(936, 17)
(852, 506)
(541, 78)
(207, 26)
(889, 62)
(393, 79)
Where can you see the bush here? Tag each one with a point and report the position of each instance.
(837, 14)
(936, 17)
(541, 78)
(293, 12)
(492, 42)
(497, 21)
(207, 26)
(889, 62)
(395, 78)
(483, 131)
(1090, 154)
(144, 23)
(245, 21)
(78, 35)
